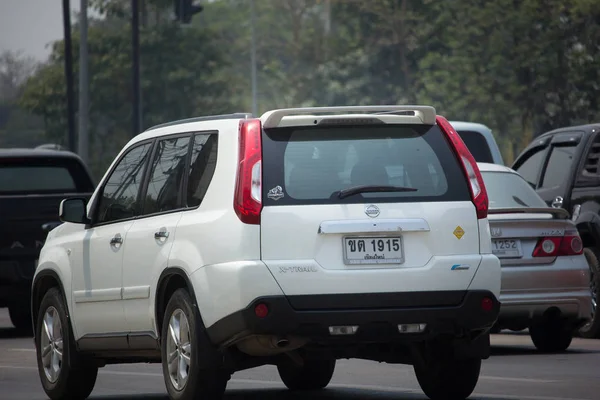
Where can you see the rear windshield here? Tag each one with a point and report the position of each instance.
(47, 175)
(508, 190)
(310, 165)
(477, 145)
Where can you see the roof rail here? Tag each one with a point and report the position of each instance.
(272, 119)
(200, 119)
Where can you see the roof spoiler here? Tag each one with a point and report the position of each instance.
(557, 213)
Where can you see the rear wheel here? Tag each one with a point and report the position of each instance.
(550, 336)
(591, 330)
(315, 374)
(63, 374)
(181, 353)
(447, 378)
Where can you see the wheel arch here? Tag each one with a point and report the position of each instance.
(171, 279)
(42, 283)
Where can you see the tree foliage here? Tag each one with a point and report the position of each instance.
(519, 66)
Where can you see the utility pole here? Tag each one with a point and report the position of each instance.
(253, 60)
(135, 68)
(84, 89)
(69, 73)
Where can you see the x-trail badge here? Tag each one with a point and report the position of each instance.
(372, 211)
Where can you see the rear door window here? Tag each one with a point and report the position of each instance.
(31, 175)
(477, 145)
(308, 165)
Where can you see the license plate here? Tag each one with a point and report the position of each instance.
(507, 248)
(373, 250)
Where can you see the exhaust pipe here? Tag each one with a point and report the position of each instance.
(281, 343)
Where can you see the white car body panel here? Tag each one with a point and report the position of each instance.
(306, 262)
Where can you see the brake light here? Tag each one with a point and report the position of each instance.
(247, 201)
(469, 165)
(568, 245)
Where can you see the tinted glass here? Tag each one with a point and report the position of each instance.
(559, 166)
(166, 174)
(508, 190)
(120, 194)
(477, 145)
(202, 167)
(311, 165)
(530, 168)
(31, 175)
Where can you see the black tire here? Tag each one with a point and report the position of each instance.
(550, 336)
(21, 318)
(315, 374)
(76, 379)
(448, 379)
(202, 383)
(592, 329)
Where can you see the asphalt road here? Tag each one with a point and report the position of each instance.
(515, 371)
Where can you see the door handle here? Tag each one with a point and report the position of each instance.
(117, 239)
(161, 235)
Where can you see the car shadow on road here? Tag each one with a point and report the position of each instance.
(516, 350)
(284, 394)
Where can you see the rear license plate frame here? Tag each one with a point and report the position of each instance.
(375, 261)
(502, 253)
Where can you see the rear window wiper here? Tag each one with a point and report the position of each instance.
(373, 189)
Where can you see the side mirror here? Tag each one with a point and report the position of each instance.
(73, 210)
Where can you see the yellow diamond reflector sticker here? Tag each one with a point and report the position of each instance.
(459, 232)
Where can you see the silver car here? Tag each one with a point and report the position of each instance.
(545, 276)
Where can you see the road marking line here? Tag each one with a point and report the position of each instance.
(333, 385)
(17, 367)
(27, 350)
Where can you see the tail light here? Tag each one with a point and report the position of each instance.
(247, 200)
(470, 168)
(568, 245)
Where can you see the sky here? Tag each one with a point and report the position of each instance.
(31, 25)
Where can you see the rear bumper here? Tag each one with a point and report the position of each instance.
(575, 304)
(376, 314)
(529, 291)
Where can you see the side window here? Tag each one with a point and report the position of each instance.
(120, 193)
(530, 168)
(559, 166)
(166, 175)
(202, 167)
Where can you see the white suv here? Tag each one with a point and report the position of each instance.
(224, 243)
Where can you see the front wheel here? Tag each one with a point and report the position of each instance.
(181, 354)
(447, 378)
(315, 374)
(64, 376)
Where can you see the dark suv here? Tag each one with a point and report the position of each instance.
(32, 184)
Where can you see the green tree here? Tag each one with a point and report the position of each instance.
(520, 66)
(180, 78)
